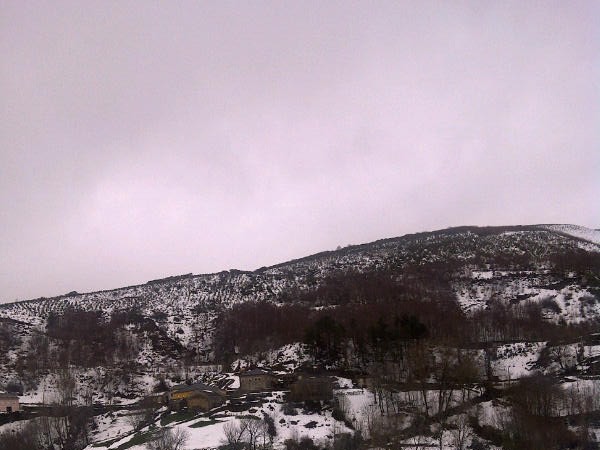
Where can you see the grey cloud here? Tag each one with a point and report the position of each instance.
(139, 139)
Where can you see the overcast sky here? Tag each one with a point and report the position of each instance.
(145, 139)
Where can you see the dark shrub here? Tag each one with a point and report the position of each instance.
(289, 409)
(305, 443)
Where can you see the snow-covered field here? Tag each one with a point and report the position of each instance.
(564, 301)
(588, 234)
(287, 358)
(514, 361)
(206, 432)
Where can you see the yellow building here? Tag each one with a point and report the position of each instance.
(195, 396)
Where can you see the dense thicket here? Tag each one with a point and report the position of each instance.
(367, 309)
(372, 312)
(89, 338)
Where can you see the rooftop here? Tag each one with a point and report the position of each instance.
(195, 387)
(6, 395)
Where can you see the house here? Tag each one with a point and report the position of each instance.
(195, 396)
(9, 403)
(257, 380)
(311, 388)
(156, 399)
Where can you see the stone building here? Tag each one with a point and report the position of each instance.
(309, 388)
(257, 380)
(9, 403)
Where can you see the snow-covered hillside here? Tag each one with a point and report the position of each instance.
(500, 262)
(577, 231)
(166, 331)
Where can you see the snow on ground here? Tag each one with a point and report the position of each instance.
(482, 274)
(577, 389)
(492, 413)
(359, 405)
(289, 358)
(516, 360)
(574, 304)
(471, 298)
(46, 392)
(112, 425)
(235, 384)
(87, 385)
(319, 427)
(424, 441)
(571, 303)
(450, 438)
(207, 433)
(343, 383)
(591, 351)
(210, 436)
(588, 234)
(14, 426)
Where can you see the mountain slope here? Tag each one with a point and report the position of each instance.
(577, 231)
(518, 299)
(515, 248)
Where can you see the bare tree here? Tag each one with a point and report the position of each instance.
(247, 433)
(28, 438)
(169, 439)
(254, 430)
(418, 441)
(142, 416)
(138, 419)
(234, 434)
(67, 387)
(461, 432)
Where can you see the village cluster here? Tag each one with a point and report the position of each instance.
(202, 397)
(217, 401)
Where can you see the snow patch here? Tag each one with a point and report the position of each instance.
(577, 231)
